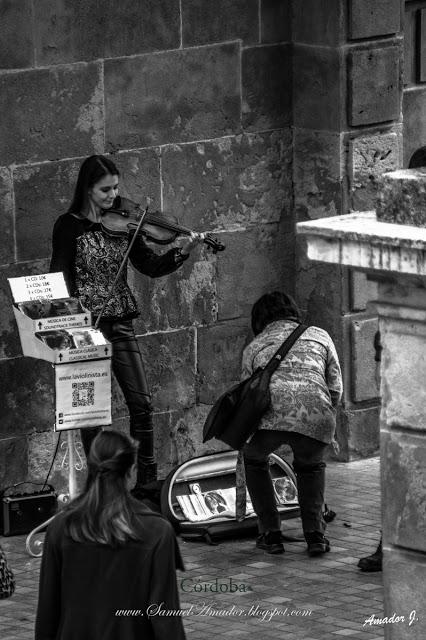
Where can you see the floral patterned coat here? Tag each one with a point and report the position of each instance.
(306, 387)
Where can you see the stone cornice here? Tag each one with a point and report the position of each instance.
(361, 241)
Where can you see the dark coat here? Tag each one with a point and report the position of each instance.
(84, 585)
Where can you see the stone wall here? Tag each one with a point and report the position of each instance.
(347, 94)
(193, 101)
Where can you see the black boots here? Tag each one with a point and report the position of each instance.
(373, 562)
(271, 542)
(317, 543)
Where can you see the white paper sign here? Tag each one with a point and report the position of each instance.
(83, 394)
(45, 286)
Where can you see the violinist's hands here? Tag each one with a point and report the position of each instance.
(191, 241)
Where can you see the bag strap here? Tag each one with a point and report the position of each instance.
(285, 348)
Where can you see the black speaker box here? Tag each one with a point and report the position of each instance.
(21, 513)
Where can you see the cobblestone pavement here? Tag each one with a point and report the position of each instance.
(288, 596)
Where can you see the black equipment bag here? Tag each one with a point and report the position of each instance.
(208, 482)
(236, 414)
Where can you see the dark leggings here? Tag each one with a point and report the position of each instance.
(128, 368)
(309, 467)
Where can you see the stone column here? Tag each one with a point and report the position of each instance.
(347, 92)
(394, 255)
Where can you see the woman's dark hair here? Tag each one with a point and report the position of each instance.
(93, 169)
(103, 513)
(273, 306)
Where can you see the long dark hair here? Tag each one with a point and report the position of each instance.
(91, 171)
(104, 512)
(273, 306)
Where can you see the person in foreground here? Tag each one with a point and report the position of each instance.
(90, 260)
(109, 563)
(305, 391)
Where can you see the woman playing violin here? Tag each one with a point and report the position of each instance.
(90, 260)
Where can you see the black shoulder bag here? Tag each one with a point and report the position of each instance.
(236, 415)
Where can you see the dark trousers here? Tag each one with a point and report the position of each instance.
(309, 467)
(128, 368)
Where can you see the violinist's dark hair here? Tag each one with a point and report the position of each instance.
(91, 171)
(104, 512)
(273, 306)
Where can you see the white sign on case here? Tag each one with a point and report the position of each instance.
(45, 286)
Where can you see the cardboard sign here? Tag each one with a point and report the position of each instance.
(45, 286)
(83, 394)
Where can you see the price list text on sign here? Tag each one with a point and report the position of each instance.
(46, 286)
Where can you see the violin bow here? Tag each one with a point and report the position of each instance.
(123, 262)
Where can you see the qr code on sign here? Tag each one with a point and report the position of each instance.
(83, 394)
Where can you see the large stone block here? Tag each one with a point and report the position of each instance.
(41, 450)
(369, 157)
(275, 21)
(219, 351)
(402, 197)
(229, 182)
(180, 299)
(26, 401)
(140, 177)
(185, 438)
(403, 574)
(208, 22)
(50, 114)
(364, 384)
(10, 345)
(374, 85)
(16, 46)
(86, 30)
(404, 489)
(320, 290)
(414, 125)
(317, 174)
(318, 101)
(266, 87)
(13, 460)
(358, 434)
(362, 290)
(403, 362)
(42, 193)
(173, 96)
(255, 262)
(325, 25)
(379, 18)
(7, 249)
(170, 366)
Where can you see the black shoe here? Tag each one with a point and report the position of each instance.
(317, 543)
(373, 562)
(271, 542)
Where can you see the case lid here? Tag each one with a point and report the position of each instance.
(44, 286)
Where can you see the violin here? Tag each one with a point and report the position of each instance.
(124, 216)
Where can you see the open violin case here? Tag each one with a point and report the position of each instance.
(198, 497)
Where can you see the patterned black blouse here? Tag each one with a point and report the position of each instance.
(90, 260)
